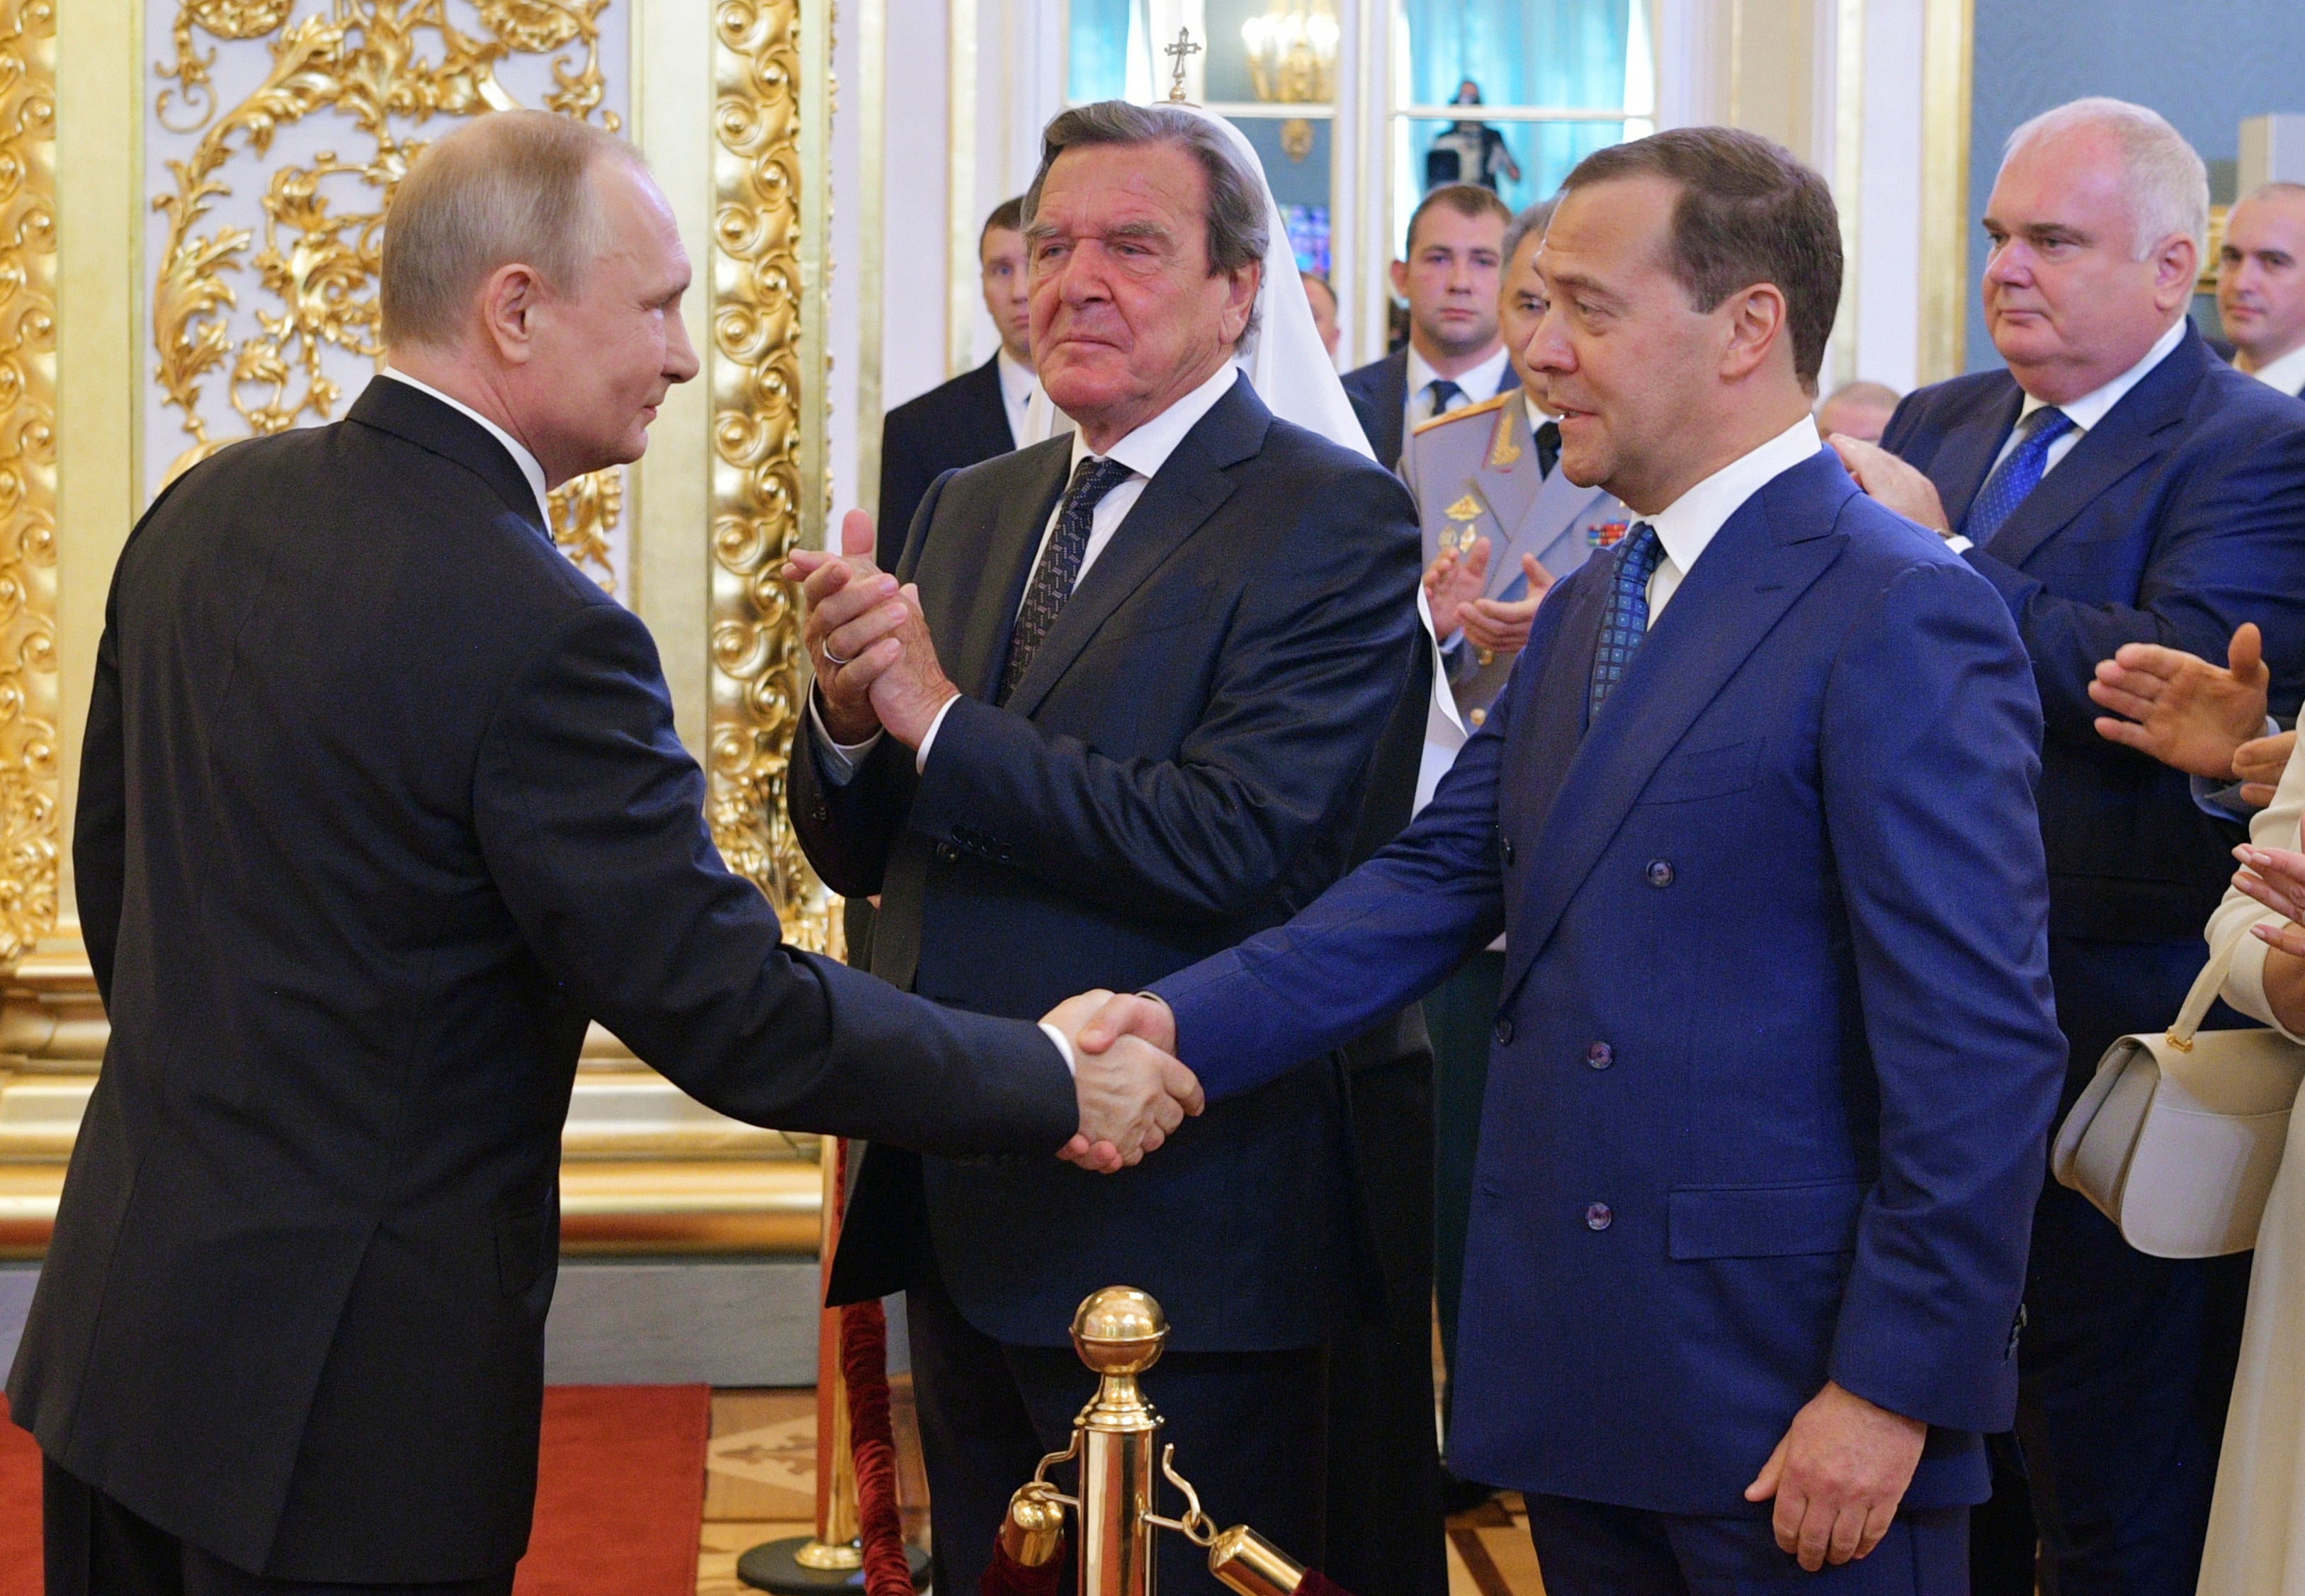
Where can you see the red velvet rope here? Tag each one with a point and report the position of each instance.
(865, 1365)
(1005, 1577)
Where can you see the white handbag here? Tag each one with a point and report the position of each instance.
(2178, 1136)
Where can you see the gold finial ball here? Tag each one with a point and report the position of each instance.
(1119, 1330)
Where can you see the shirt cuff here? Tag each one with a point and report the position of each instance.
(1957, 543)
(1064, 1047)
(2221, 798)
(837, 761)
(928, 741)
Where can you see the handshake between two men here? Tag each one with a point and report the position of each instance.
(877, 675)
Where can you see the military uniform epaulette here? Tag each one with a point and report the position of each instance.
(1485, 407)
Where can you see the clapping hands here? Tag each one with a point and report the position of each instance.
(876, 664)
(1133, 1092)
(2201, 718)
(1453, 585)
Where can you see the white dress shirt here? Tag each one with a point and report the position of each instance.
(2287, 373)
(521, 457)
(1687, 526)
(1143, 451)
(1477, 384)
(1015, 393)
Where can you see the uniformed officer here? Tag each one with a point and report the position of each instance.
(1502, 524)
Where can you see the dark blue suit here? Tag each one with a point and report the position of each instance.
(1181, 765)
(2177, 517)
(1775, 1060)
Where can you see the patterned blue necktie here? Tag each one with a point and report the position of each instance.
(2017, 475)
(1060, 565)
(1628, 621)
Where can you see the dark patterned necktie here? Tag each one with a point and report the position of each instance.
(2017, 475)
(1628, 621)
(1548, 448)
(1060, 565)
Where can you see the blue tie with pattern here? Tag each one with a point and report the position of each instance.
(2017, 475)
(1628, 621)
(1060, 565)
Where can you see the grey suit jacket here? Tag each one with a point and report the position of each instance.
(1474, 474)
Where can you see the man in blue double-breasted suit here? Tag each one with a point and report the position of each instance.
(2118, 484)
(1775, 1058)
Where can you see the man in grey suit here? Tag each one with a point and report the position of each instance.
(1500, 526)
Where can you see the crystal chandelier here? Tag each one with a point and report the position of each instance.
(1292, 60)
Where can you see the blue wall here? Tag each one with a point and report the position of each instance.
(2205, 65)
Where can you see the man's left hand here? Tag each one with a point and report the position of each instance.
(1838, 1476)
(1496, 627)
(909, 687)
(1885, 478)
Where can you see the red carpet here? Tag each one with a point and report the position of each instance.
(20, 1510)
(619, 1491)
(620, 1494)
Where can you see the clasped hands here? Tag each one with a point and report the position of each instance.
(876, 664)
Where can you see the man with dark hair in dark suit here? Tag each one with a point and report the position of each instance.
(1453, 356)
(1121, 711)
(382, 804)
(977, 415)
(2119, 485)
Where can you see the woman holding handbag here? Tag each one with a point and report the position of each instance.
(2256, 1526)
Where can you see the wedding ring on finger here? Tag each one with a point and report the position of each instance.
(835, 660)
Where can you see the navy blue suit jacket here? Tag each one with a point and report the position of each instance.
(954, 424)
(2176, 518)
(1775, 1059)
(1379, 393)
(1181, 765)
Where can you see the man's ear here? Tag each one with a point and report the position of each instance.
(1240, 298)
(1400, 279)
(508, 303)
(1754, 328)
(2176, 269)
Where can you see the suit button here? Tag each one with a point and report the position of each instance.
(946, 853)
(1508, 851)
(1660, 872)
(1504, 1031)
(1600, 1055)
(1480, 718)
(1598, 1217)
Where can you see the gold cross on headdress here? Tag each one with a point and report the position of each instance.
(1178, 52)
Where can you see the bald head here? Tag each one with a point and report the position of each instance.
(514, 187)
(1859, 410)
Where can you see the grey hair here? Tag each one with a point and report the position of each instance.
(1238, 234)
(1535, 219)
(509, 186)
(2168, 186)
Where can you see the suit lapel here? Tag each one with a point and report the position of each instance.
(1761, 561)
(1556, 508)
(1503, 480)
(1175, 504)
(2120, 444)
(981, 616)
(1966, 458)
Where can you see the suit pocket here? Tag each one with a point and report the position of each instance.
(1712, 772)
(522, 1235)
(1765, 1221)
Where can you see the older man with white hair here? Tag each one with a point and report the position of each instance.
(381, 803)
(2119, 485)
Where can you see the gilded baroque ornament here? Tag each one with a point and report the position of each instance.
(761, 501)
(377, 71)
(29, 818)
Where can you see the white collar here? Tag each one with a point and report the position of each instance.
(2287, 373)
(1687, 524)
(2092, 407)
(1536, 416)
(1145, 450)
(521, 457)
(1015, 378)
(1479, 382)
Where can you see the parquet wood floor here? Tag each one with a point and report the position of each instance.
(760, 1484)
